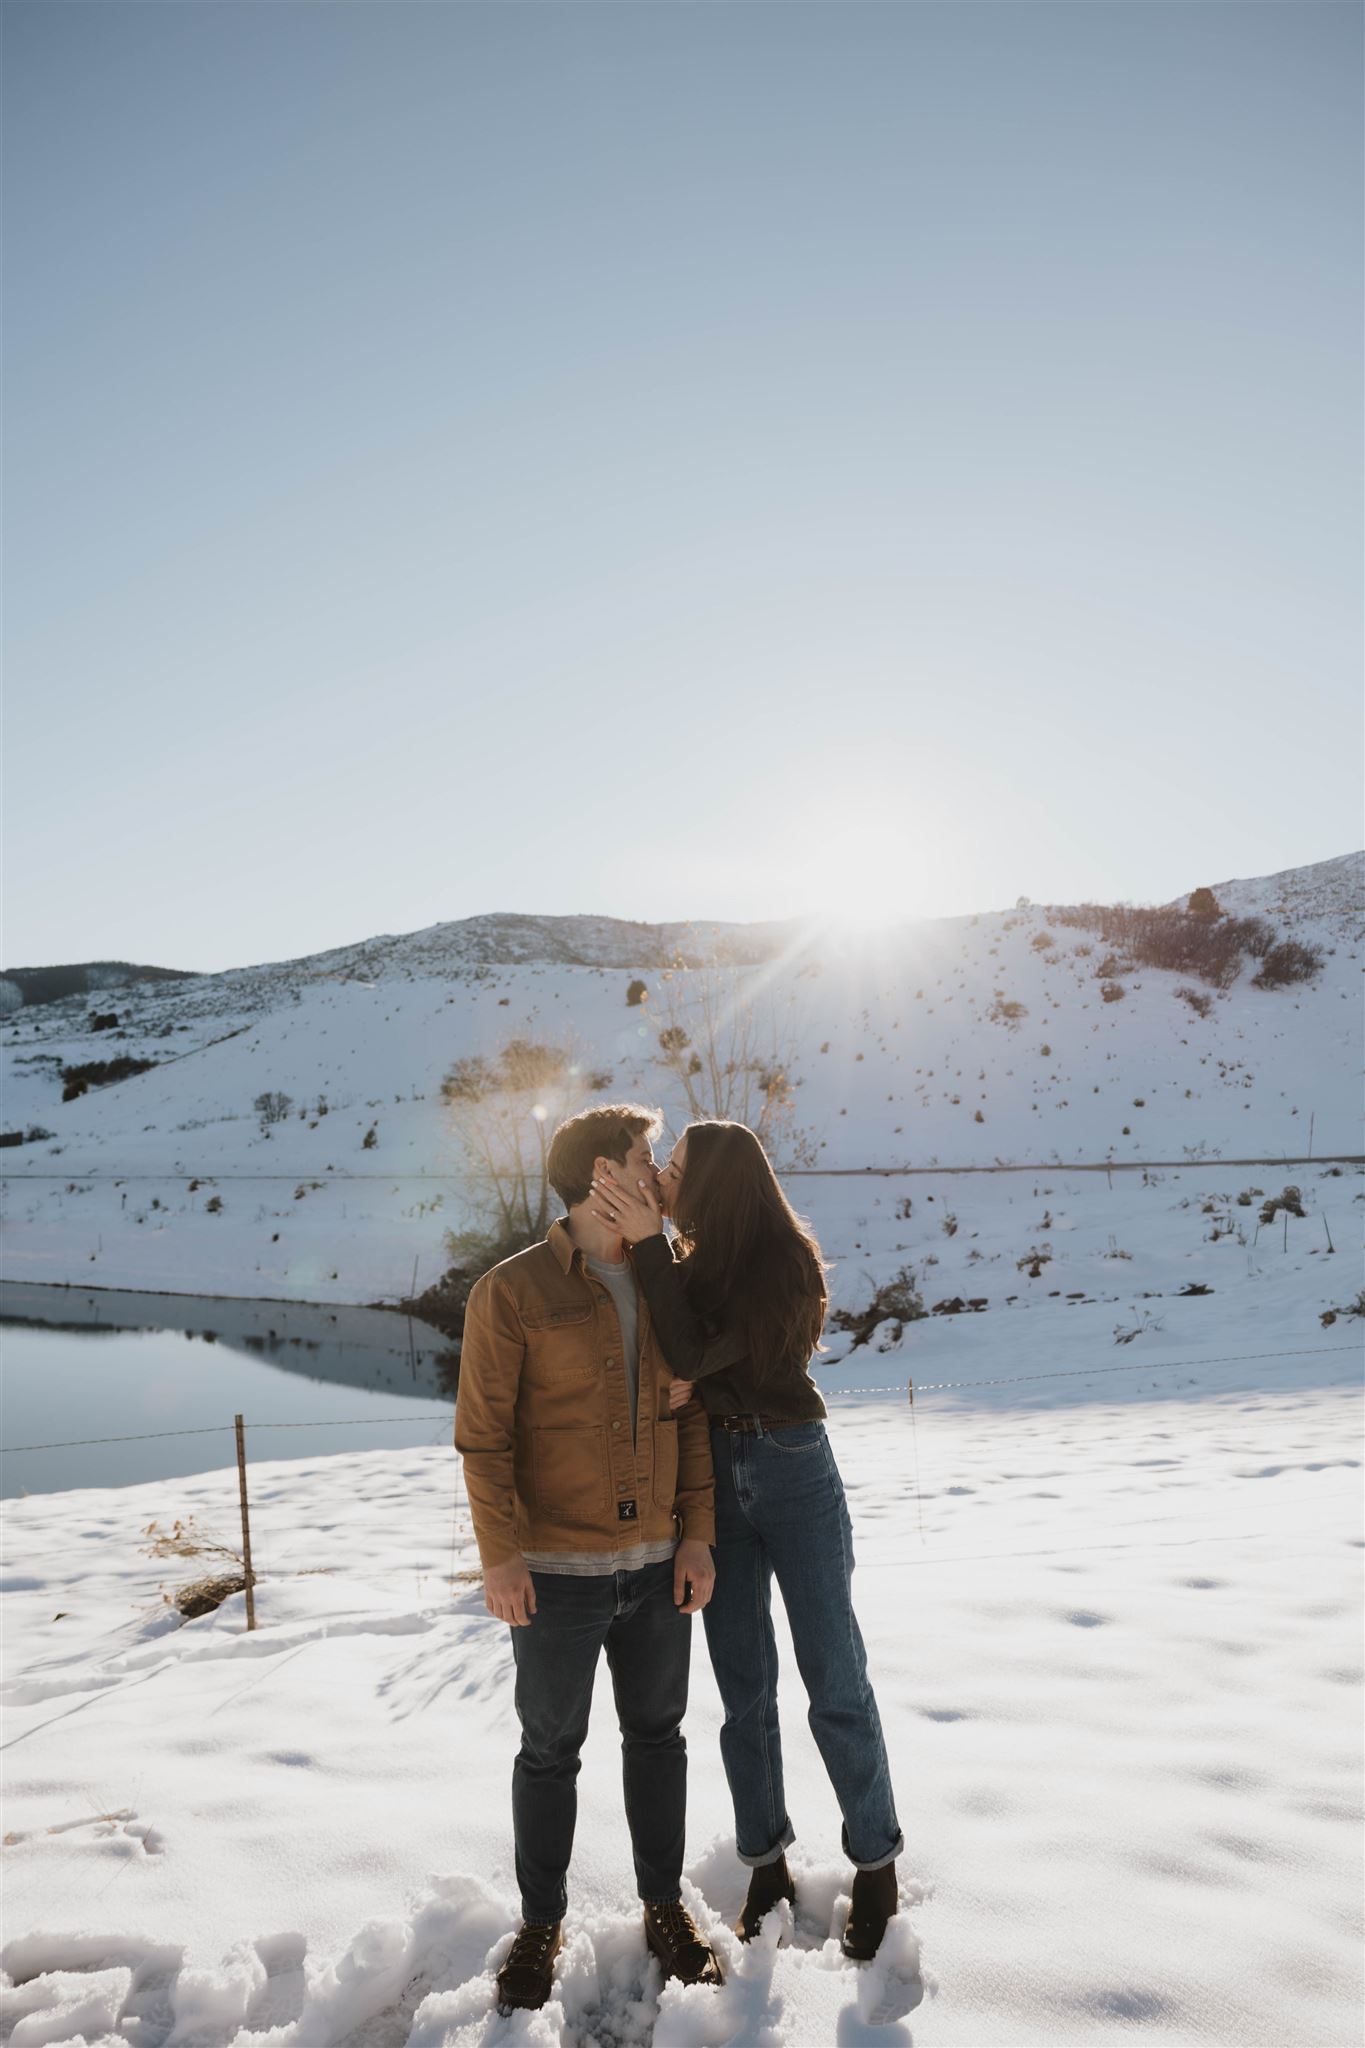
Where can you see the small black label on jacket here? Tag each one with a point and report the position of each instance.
(626, 1511)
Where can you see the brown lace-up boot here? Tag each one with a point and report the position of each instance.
(768, 1883)
(680, 1945)
(875, 1899)
(525, 1978)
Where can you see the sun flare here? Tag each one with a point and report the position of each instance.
(865, 881)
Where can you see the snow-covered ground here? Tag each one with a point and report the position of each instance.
(1109, 1571)
(1114, 1624)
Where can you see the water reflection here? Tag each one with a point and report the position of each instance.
(88, 1362)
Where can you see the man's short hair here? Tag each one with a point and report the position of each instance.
(605, 1133)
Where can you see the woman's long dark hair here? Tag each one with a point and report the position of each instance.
(747, 1256)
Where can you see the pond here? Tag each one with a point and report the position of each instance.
(82, 1363)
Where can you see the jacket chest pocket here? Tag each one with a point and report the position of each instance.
(561, 1343)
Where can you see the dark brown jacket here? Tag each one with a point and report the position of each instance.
(542, 1420)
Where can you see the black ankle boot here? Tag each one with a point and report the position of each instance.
(768, 1882)
(875, 1899)
(675, 1938)
(527, 1975)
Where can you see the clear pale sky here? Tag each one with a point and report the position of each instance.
(671, 460)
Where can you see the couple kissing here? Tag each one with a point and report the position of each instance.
(642, 1441)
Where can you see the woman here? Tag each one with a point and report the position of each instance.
(738, 1306)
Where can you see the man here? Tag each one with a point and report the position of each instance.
(593, 1507)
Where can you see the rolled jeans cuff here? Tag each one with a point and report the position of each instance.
(877, 1862)
(788, 1836)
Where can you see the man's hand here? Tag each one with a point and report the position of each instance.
(509, 1593)
(694, 1568)
(632, 1212)
(680, 1392)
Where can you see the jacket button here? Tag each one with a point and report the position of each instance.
(616, 1425)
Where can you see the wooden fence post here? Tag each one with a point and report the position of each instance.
(246, 1528)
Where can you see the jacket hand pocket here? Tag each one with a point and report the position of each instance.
(665, 1462)
(570, 1475)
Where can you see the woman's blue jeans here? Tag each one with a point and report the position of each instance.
(780, 1509)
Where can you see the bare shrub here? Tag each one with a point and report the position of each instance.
(443, 1304)
(1197, 1000)
(1183, 941)
(1147, 1325)
(1005, 1010)
(897, 1301)
(501, 1110)
(1286, 962)
(732, 1043)
(99, 1073)
(187, 1539)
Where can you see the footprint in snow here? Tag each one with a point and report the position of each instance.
(86, 1987)
(426, 1980)
(133, 1834)
(890, 1986)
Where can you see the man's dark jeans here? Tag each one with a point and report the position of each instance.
(649, 1645)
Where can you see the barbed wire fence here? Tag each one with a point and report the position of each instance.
(912, 1394)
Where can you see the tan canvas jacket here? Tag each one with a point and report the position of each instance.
(542, 1419)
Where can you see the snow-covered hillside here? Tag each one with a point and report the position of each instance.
(969, 1041)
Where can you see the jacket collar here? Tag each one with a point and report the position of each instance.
(566, 1251)
(561, 1244)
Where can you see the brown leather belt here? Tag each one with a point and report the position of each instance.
(743, 1425)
